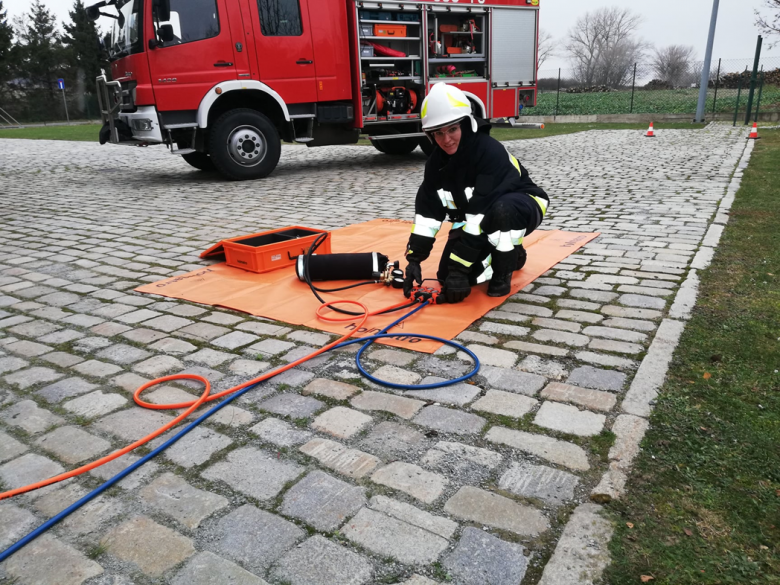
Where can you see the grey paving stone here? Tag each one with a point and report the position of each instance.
(310, 337)
(512, 380)
(553, 486)
(234, 340)
(73, 445)
(592, 399)
(11, 364)
(97, 369)
(482, 559)
(505, 404)
(411, 479)
(206, 568)
(270, 347)
(33, 329)
(254, 538)
(293, 378)
(27, 469)
(504, 329)
(390, 440)
(590, 377)
(133, 423)
(580, 316)
(49, 560)
(223, 318)
(209, 357)
(508, 316)
(173, 346)
(392, 356)
(10, 447)
(153, 548)
(615, 346)
(90, 344)
(263, 328)
(159, 365)
(619, 334)
(463, 461)
(341, 422)
(387, 536)
(317, 561)
(322, 501)
(564, 337)
(28, 416)
(600, 359)
(448, 420)
(28, 349)
(173, 497)
(581, 551)
(144, 335)
(195, 448)
(335, 456)
(138, 316)
(458, 394)
(396, 375)
(537, 348)
(629, 431)
(492, 356)
(524, 309)
(279, 433)
(576, 306)
(553, 450)
(439, 525)
(167, 323)
(62, 359)
(547, 368)
(404, 407)
(248, 368)
(292, 405)
(54, 393)
(253, 472)
(476, 505)
(330, 389)
(593, 295)
(95, 404)
(642, 302)
(635, 324)
(122, 354)
(569, 419)
(24, 379)
(17, 522)
(131, 482)
(477, 337)
(630, 313)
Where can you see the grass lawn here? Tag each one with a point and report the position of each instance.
(703, 501)
(89, 132)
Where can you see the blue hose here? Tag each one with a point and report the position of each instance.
(367, 341)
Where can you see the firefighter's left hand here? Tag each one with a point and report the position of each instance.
(456, 287)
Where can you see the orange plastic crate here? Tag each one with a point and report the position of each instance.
(389, 30)
(266, 251)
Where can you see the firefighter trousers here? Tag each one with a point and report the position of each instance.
(506, 223)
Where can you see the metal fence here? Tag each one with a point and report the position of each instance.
(640, 89)
(40, 105)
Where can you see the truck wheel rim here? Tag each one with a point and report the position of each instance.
(247, 146)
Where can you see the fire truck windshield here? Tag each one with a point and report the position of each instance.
(127, 35)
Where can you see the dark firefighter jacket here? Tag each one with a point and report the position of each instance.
(464, 186)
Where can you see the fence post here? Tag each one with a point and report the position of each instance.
(760, 91)
(633, 86)
(753, 79)
(557, 95)
(717, 81)
(739, 92)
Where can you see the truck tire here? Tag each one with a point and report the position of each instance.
(396, 146)
(199, 160)
(426, 146)
(244, 145)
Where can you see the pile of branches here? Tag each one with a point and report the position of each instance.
(592, 89)
(732, 80)
(658, 84)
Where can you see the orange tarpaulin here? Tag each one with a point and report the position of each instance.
(281, 296)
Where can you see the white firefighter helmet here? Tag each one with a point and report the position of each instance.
(444, 105)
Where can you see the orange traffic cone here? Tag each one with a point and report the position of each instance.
(650, 133)
(754, 132)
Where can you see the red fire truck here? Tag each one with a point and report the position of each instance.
(223, 82)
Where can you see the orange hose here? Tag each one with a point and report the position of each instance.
(205, 397)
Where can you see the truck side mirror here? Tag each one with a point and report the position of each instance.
(162, 10)
(165, 32)
(93, 12)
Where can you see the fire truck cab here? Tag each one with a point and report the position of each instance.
(223, 82)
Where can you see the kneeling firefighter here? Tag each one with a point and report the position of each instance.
(487, 194)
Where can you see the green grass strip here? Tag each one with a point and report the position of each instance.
(704, 495)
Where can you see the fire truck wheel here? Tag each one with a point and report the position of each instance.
(244, 144)
(199, 160)
(426, 146)
(397, 146)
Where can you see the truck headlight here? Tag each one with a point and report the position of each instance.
(142, 124)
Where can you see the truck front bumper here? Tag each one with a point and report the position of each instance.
(140, 127)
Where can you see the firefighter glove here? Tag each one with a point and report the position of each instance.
(413, 273)
(456, 287)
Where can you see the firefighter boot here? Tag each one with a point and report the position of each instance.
(503, 266)
(521, 256)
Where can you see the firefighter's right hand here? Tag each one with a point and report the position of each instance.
(413, 274)
(456, 287)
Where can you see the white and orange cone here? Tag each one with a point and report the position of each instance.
(754, 132)
(650, 132)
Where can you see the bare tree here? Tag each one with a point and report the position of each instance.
(603, 46)
(546, 48)
(769, 25)
(674, 64)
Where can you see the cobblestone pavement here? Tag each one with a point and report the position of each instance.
(318, 477)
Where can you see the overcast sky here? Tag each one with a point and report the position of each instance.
(665, 23)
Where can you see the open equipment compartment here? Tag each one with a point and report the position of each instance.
(274, 249)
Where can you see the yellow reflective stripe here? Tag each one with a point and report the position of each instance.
(456, 103)
(421, 230)
(460, 260)
(542, 203)
(514, 161)
(517, 236)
